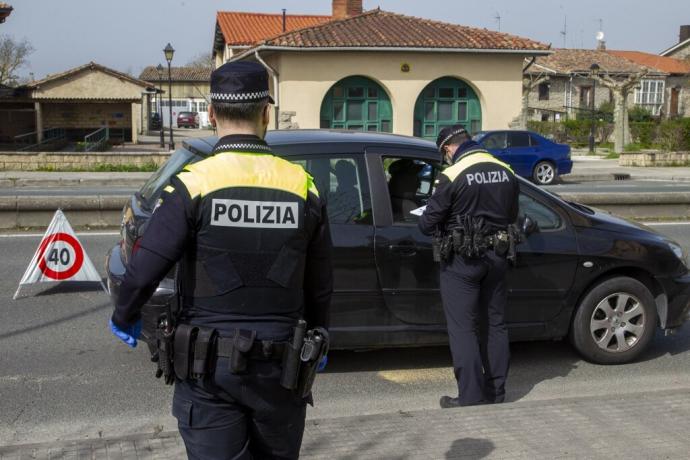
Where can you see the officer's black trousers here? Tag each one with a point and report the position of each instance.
(474, 300)
(242, 417)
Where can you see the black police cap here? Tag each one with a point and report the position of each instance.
(447, 133)
(241, 81)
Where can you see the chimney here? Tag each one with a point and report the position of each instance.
(346, 8)
(284, 21)
(684, 32)
(601, 45)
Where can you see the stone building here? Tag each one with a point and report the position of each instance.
(569, 88)
(382, 71)
(75, 102)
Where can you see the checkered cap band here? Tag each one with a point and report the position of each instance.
(240, 97)
(450, 136)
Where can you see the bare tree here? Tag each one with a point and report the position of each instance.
(13, 56)
(202, 60)
(620, 89)
(529, 82)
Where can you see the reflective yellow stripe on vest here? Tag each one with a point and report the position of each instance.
(452, 172)
(238, 169)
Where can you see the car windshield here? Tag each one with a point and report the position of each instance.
(178, 160)
(186, 114)
(479, 136)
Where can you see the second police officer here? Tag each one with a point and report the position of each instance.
(253, 241)
(471, 213)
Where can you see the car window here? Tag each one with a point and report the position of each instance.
(533, 140)
(518, 140)
(545, 218)
(410, 185)
(341, 181)
(178, 160)
(495, 141)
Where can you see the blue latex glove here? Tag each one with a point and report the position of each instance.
(128, 335)
(322, 364)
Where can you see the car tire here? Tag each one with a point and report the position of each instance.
(544, 173)
(614, 322)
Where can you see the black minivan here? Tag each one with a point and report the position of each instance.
(605, 282)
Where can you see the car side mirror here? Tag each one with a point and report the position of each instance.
(529, 226)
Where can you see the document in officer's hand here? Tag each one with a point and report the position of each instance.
(418, 211)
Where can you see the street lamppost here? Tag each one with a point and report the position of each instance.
(594, 71)
(5, 11)
(160, 101)
(169, 52)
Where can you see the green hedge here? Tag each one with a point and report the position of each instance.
(669, 135)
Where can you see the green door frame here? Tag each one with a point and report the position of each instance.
(357, 103)
(445, 102)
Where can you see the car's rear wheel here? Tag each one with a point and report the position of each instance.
(544, 173)
(615, 321)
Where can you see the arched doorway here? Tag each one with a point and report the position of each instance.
(446, 102)
(357, 103)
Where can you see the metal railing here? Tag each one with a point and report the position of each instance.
(29, 141)
(97, 139)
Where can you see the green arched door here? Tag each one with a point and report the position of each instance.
(446, 102)
(357, 103)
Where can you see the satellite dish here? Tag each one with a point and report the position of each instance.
(600, 35)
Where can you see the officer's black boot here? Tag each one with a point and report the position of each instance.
(448, 403)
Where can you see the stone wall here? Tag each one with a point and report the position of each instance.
(647, 158)
(86, 115)
(33, 161)
(560, 90)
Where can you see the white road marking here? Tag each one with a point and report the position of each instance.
(660, 224)
(38, 235)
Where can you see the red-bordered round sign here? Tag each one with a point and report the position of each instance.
(73, 269)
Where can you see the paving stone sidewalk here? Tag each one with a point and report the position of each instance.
(652, 425)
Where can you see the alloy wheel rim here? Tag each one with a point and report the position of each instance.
(545, 173)
(617, 322)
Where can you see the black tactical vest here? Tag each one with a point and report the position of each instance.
(248, 256)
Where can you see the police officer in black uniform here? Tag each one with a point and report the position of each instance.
(479, 190)
(253, 241)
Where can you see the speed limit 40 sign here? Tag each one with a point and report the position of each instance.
(59, 257)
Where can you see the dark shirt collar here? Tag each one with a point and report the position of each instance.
(466, 148)
(242, 143)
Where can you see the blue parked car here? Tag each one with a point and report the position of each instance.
(530, 155)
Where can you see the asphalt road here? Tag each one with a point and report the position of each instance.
(595, 187)
(63, 376)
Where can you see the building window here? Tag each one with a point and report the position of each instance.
(585, 97)
(544, 91)
(650, 95)
(446, 102)
(359, 104)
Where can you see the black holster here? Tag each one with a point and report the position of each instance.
(291, 358)
(242, 343)
(316, 343)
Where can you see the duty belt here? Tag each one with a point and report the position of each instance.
(260, 350)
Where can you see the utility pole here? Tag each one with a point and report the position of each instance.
(497, 18)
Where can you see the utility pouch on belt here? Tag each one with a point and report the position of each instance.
(202, 363)
(501, 243)
(164, 341)
(185, 335)
(291, 358)
(241, 345)
(314, 349)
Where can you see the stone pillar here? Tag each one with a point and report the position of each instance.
(39, 121)
(136, 110)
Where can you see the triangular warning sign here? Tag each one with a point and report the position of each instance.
(59, 257)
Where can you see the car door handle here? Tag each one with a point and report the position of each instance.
(405, 248)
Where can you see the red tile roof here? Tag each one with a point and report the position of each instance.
(567, 61)
(654, 61)
(240, 28)
(150, 74)
(382, 29)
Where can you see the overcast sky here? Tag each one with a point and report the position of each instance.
(129, 34)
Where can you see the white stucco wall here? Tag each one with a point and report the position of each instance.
(306, 77)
